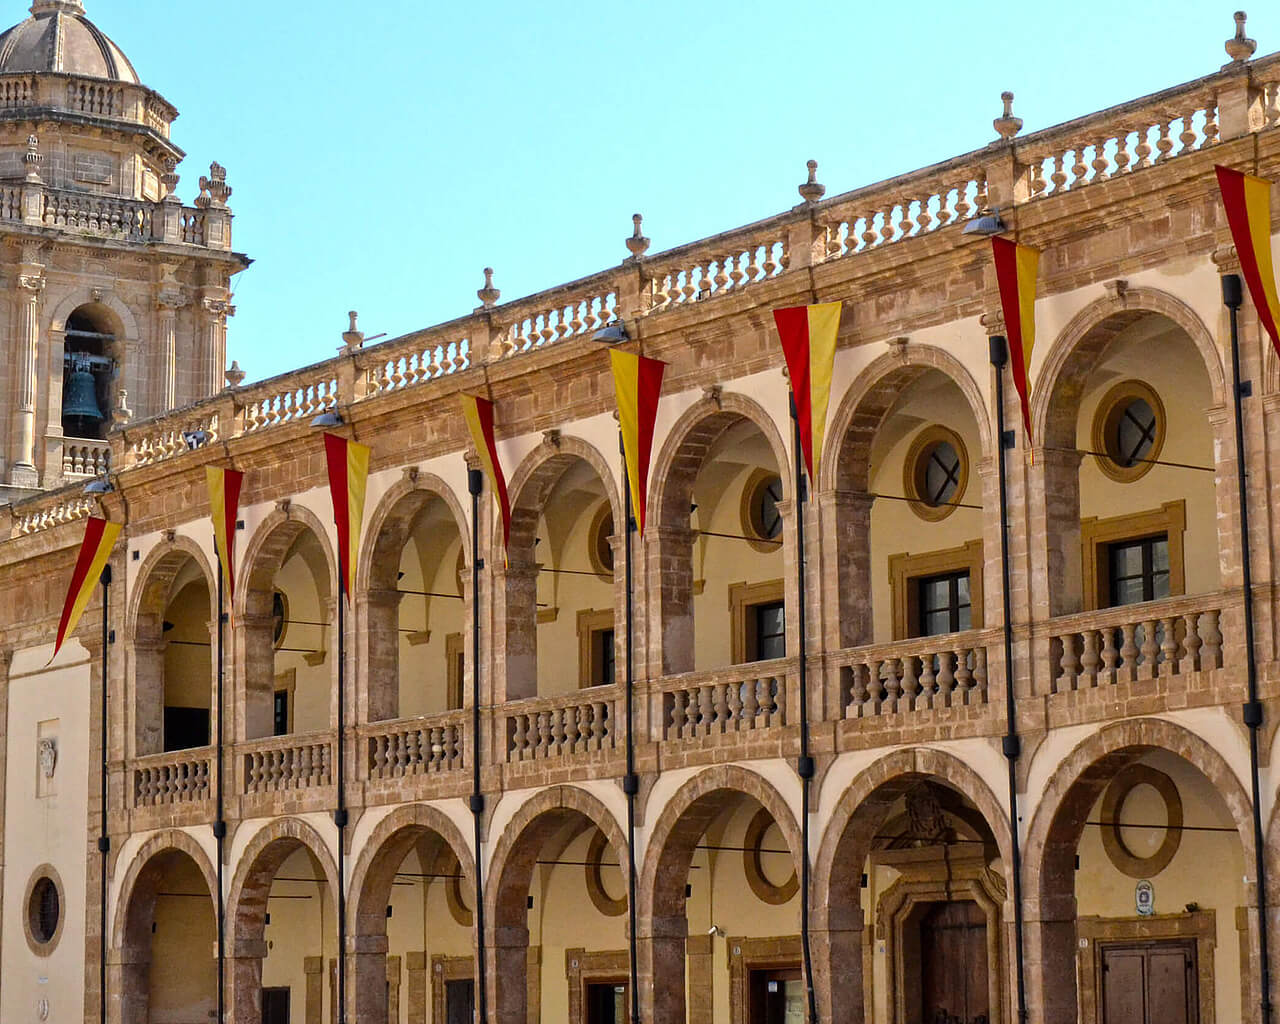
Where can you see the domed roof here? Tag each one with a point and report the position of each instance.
(59, 38)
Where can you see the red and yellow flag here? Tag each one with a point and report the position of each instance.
(348, 464)
(1248, 203)
(224, 509)
(808, 336)
(1016, 268)
(637, 385)
(478, 413)
(99, 538)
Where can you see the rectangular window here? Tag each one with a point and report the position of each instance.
(770, 620)
(185, 728)
(1138, 570)
(456, 667)
(943, 604)
(602, 657)
(280, 714)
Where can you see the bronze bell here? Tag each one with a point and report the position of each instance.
(80, 392)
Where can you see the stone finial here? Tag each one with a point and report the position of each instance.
(488, 295)
(170, 180)
(121, 414)
(637, 244)
(811, 191)
(33, 158)
(214, 190)
(235, 376)
(352, 337)
(1006, 125)
(1240, 47)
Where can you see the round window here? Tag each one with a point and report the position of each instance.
(762, 519)
(936, 472)
(279, 617)
(1128, 431)
(44, 911)
(601, 541)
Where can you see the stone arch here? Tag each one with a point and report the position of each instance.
(247, 904)
(668, 548)
(79, 297)
(389, 525)
(510, 874)
(871, 396)
(679, 827)
(144, 631)
(1056, 388)
(859, 814)
(537, 475)
(515, 591)
(371, 881)
(267, 547)
(1056, 825)
(135, 911)
(845, 504)
(377, 592)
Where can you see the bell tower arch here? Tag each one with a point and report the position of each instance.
(117, 292)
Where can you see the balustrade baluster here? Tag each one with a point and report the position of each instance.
(925, 679)
(734, 696)
(945, 682)
(1192, 642)
(1128, 654)
(1080, 169)
(892, 684)
(1110, 657)
(1211, 653)
(721, 704)
(1210, 126)
(1150, 649)
(600, 725)
(1090, 660)
(963, 690)
(544, 734)
(557, 731)
(875, 686)
(1069, 665)
(1100, 163)
(750, 705)
(518, 738)
(705, 716)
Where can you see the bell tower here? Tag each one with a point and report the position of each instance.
(117, 293)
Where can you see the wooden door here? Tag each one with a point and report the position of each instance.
(460, 1001)
(1149, 983)
(275, 1006)
(777, 996)
(953, 962)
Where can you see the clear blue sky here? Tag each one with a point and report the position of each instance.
(383, 152)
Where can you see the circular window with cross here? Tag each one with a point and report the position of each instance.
(1128, 431)
(936, 472)
(761, 517)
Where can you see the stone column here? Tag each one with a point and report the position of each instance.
(836, 940)
(1049, 941)
(669, 556)
(393, 989)
(700, 950)
(256, 707)
(148, 696)
(416, 965)
(381, 677)
(660, 949)
(244, 976)
(31, 283)
(508, 980)
(515, 592)
(167, 305)
(213, 358)
(368, 968)
(313, 1007)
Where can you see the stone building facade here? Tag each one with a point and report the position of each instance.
(1136, 824)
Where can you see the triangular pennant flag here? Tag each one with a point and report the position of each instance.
(808, 335)
(224, 509)
(1016, 269)
(348, 464)
(99, 538)
(637, 385)
(1248, 203)
(478, 413)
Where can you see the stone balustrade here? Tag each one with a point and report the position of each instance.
(50, 510)
(97, 214)
(288, 762)
(545, 727)
(179, 777)
(159, 440)
(120, 101)
(744, 698)
(415, 360)
(423, 746)
(1137, 642)
(290, 400)
(727, 263)
(908, 676)
(85, 457)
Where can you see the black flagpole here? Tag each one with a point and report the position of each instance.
(1232, 298)
(104, 840)
(804, 765)
(220, 824)
(340, 815)
(475, 484)
(1012, 743)
(631, 781)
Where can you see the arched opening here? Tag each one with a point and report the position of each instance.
(289, 635)
(720, 545)
(414, 902)
(90, 362)
(1139, 869)
(285, 934)
(416, 610)
(910, 897)
(169, 943)
(559, 917)
(725, 914)
(560, 588)
(908, 509)
(173, 657)
(1126, 525)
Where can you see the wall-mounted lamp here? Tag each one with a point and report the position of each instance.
(330, 418)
